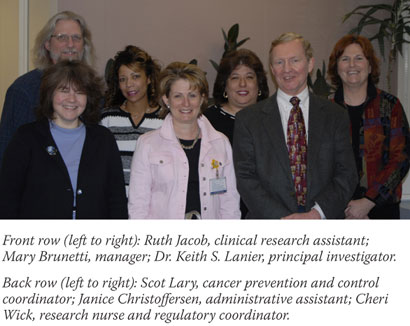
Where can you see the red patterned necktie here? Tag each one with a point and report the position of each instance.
(297, 148)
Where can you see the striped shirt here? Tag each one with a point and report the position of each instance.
(126, 133)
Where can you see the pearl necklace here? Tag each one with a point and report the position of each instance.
(193, 144)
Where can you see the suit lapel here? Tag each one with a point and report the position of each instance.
(273, 125)
(316, 125)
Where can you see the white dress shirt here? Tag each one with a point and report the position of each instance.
(285, 106)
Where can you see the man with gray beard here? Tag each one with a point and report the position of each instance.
(64, 37)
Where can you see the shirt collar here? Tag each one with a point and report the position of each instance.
(285, 98)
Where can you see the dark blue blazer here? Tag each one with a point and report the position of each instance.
(19, 106)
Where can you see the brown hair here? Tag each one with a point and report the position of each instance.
(75, 73)
(134, 58)
(229, 63)
(368, 52)
(180, 70)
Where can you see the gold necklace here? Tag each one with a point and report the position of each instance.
(135, 115)
(193, 144)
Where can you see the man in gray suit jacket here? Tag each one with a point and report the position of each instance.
(265, 178)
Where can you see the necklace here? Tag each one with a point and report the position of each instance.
(194, 142)
(355, 98)
(135, 115)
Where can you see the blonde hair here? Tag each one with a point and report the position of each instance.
(288, 37)
(181, 70)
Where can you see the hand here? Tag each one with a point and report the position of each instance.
(359, 209)
(313, 214)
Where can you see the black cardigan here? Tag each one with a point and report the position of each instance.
(36, 184)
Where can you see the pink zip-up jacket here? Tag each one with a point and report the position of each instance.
(160, 170)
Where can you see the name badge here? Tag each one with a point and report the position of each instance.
(217, 186)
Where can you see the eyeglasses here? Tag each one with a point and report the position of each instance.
(64, 38)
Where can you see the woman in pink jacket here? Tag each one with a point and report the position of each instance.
(184, 169)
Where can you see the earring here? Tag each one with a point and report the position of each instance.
(225, 95)
(259, 93)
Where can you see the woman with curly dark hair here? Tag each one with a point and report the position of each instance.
(240, 82)
(132, 101)
(378, 126)
(64, 165)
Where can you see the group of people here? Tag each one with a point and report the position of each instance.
(155, 149)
